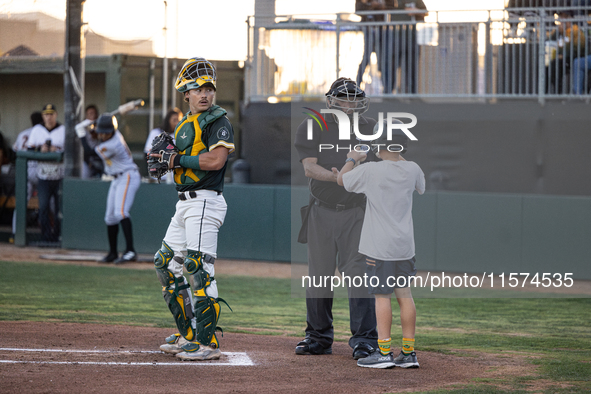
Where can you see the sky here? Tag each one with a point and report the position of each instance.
(212, 29)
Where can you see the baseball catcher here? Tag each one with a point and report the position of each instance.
(204, 139)
(163, 145)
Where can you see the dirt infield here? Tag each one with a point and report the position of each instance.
(52, 357)
(88, 358)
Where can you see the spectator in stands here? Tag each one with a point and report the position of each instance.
(582, 63)
(570, 38)
(93, 165)
(376, 39)
(395, 46)
(406, 45)
(581, 82)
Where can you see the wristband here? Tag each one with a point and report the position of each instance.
(189, 162)
(176, 163)
(350, 159)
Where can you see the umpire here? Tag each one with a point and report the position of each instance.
(335, 218)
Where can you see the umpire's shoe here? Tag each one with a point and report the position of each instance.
(362, 350)
(406, 360)
(310, 346)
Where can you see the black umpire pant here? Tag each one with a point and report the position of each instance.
(333, 241)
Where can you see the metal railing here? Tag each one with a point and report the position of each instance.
(32, 236)
(518, 52)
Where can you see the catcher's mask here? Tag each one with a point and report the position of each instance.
(398, 138)
(346, 96)
(196, 72)
(106, 124)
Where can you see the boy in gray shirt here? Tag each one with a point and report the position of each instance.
(387, 239)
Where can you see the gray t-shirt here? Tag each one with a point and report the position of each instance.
(387, 232)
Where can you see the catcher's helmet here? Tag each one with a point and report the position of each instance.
(106, 124)
(196, 72)
(398, 138)
(343, 91)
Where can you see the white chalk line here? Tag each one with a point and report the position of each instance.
(14, 349)
(235, 358)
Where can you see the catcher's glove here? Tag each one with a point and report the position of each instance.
(164, 146)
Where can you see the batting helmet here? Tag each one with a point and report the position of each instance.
(343, 92)
(106, 124)
(196, 72)
(398, 138)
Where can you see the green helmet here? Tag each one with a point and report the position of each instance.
(196, 72)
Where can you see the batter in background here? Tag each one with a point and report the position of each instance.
(118, 163)
(333, 228)
(204, 138)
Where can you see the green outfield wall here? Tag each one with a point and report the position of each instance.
(454, 231)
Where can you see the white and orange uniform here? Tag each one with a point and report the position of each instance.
(119, 164)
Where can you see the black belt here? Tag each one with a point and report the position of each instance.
(337, 207)
(121, 173)
(192, 194)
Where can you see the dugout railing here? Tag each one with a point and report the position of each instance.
(527, 50)
(24, 234)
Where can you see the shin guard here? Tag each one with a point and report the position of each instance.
(176, 292)
(207, 309)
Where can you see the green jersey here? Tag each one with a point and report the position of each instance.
(196, 134)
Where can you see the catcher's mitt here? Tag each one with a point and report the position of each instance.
(163, 145)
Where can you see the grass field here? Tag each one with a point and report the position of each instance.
(552, 334)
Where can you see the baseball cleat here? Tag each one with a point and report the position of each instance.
(173, 344)
(406, 360)
(310, 346)
(109, 258)
(126, 257)
(193, 351)
(377, 360)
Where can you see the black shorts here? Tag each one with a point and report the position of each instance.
(390, 275)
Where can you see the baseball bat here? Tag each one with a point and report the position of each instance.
(127, 107)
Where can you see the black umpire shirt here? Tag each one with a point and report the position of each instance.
(330, 192)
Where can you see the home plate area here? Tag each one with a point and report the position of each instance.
(55, 357)
(111, 357)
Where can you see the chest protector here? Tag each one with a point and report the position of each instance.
(189, 139)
